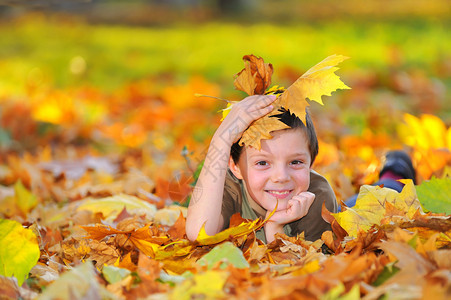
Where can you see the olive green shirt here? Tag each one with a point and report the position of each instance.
(237, 200)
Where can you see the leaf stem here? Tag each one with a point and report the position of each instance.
(202, 95)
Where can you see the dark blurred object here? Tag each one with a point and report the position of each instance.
(399, 163)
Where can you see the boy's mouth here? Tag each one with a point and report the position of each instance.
(279, 194)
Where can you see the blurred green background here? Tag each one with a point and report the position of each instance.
(107, 43)
(400, 50)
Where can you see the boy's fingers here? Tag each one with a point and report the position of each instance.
(266, 100)
(305, 197)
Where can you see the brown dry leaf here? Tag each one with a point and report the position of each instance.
(145, 242)
(142, 238)
(122, 215)
(256, 252)
(441, 258)
(409, 280)
(9, 288)
(148, 271)
(426, 226)
(126, 263)
(255, 78)
(366, 241)
(437, 285)
(100, 231)
(103, 253)
(74, 250)
(177, 231)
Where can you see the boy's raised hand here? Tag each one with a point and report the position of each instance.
(243, 114)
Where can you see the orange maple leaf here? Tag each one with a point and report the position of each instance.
(141, 237)
(255, 78)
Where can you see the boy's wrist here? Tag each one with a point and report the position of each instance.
(273, 225)
(221, 140)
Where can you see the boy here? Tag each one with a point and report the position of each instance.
(251, 182)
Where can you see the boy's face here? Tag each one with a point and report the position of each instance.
(280, 170)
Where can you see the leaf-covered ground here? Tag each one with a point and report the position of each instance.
(93, 184)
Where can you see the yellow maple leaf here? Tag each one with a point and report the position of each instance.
(260, 130)
(371, 205)
(111, 206)
(243, 229)
(318, 81)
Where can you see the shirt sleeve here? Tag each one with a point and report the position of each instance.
(312, 224)
(231, 199)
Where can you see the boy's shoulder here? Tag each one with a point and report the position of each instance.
(322, 190)
(317, 178)
(232, 184)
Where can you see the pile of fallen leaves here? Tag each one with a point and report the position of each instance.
(76, 223)
(123, 247)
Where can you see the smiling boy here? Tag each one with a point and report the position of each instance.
(252, 182)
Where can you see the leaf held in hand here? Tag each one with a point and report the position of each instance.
(318, 81)
(255, 78)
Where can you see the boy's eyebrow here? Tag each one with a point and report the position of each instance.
(265, 154)
(259, 154)
(301, 153)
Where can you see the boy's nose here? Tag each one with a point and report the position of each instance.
(280, 174)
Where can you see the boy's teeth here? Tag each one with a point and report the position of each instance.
(279, 193)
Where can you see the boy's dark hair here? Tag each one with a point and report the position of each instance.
(294, 122)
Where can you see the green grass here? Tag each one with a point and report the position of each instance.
(43, 49)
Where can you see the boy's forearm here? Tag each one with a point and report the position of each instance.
(271, 228)
(206, 201)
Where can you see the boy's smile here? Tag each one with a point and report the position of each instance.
(279, 194)
(279, 171)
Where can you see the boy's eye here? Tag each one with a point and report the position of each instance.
(296, 162)
(262, 163)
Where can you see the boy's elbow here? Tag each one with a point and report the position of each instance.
(194, 224)
(191, 231)
(191, 235)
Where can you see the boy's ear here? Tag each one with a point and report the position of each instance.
(235, 169)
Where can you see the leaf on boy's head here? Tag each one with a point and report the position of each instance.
(255, 78)
(318, 81)
(260, 130)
